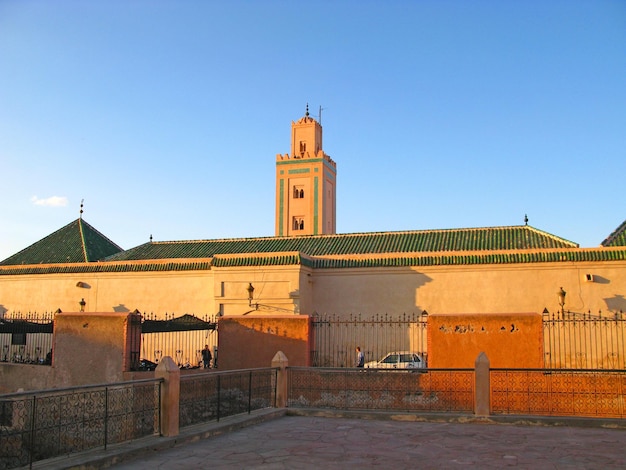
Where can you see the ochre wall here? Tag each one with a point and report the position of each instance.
(253, 341)
(508, 340)
(471, 289)
(90, 348)
(158, 292)
(511, 288)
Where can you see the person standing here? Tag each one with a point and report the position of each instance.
(360, 357)
(206, 357)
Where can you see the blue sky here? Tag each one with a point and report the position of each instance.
(166, 116)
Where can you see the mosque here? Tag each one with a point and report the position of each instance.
(308, 268)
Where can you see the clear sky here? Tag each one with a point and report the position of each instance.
(166, 116)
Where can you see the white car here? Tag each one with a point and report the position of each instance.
(398, 360)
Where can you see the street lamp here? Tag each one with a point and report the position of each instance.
(250, 290)
(561, 295)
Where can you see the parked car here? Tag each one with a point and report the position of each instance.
(398, 360)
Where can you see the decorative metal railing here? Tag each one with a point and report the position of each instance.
(26, 338)
(182, 338)
(559, 392)
(584, 341)
(210, 396)
(430, 390)
(45, 424)
(571, 340)
(337, 336)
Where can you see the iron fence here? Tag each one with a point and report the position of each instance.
(182, 338)
(26, 338)
(211, 396)
(435, 390)
(336, 337)
(40, 425)
(584, 341)
(560, 392)
(571, 340)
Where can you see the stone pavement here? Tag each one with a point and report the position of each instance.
(315, 440)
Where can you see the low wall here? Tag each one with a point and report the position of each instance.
(87, 348)
(252, 341)
(18, 377)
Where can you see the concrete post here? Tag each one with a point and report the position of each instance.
(482, 388)
(170, 396)
(281, 362)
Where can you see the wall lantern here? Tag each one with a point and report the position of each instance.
(250, 290)
(561, 295)
(82, 304)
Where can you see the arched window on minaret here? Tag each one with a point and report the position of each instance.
(301, 193)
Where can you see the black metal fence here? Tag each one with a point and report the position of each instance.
(571, 340)
(584, 341)
(26, 338)
(41, 425)
(337, 336)
(211, 396)
(182, 338)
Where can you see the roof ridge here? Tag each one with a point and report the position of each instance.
(356, 234)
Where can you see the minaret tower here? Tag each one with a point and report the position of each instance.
(305, 183)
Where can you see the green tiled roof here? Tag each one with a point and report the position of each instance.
(618, 237)
(103, 268)
(77, 242)
(522, 237)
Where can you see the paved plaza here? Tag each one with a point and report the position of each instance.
(309, 442)
(324, 439)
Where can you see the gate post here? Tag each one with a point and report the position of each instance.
(170, 396)
(482, 388)
(281, 362)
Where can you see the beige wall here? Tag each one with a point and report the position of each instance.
(298, 289)
(471, 289)
(158, 292)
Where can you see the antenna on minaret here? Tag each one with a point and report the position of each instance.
(80, 216)
(320, 116)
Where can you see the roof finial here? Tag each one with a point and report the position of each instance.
(81, 209)
(150, 238)
(307, 110)
(525, 219)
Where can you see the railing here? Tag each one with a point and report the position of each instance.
(337, 336)
(584, 341)
(182, 338)
(26, 338)
(430, 390)
(211, 396)
(50, 423)
(559, 392)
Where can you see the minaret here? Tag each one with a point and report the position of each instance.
(305, 183)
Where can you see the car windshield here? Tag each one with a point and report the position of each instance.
(391, 359)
